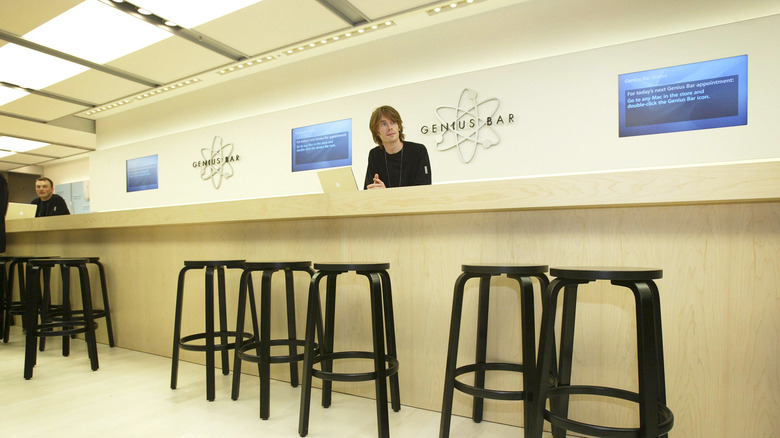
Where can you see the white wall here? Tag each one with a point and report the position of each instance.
(565, 110)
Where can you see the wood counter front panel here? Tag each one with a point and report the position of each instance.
(719, 294)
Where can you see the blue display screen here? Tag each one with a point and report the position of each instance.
(323, 145)
(142, 173)
(703, 95)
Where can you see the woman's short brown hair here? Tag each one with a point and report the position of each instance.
(392, 115)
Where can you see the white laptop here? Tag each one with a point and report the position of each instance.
(20, 211)
(339, 179)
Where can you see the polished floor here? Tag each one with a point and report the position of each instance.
(129, 396)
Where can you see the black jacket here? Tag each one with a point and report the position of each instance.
(415, 166)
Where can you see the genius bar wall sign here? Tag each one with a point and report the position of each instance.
(703, 95)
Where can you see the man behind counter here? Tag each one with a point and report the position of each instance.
(48, 203)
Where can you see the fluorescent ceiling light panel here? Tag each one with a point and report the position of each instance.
(6, 154)
(10, 94)
(191, 13)
(30, 69)
(96, 32)
(19, 144)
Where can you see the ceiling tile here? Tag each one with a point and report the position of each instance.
(41, 108)
(25, 159)
(170, 60)
(96, 87)
(54, 150)
(272, 24)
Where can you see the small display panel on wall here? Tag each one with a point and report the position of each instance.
(703, 95)
(322, 145)
(142, 173)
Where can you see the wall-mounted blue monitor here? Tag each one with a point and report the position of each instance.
(142, 173)
(703, 95)
(323, 145)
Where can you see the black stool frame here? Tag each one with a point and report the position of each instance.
(385, 360)
(187, 342)
(262, 343)
(655, 418)
(17, 265)
(68, 325)
(523, 275)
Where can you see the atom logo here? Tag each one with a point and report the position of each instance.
(468, 125)
(217, 162)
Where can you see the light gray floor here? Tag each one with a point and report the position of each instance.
(129, 396)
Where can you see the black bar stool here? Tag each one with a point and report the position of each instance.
(16, 267)
(385, 361)
(55, 312)
(261, 345)
(523, 274)
(209, 347)
(69, 324)
(655, 418)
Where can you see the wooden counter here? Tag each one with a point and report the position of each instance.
(749, 182)
(715, 231)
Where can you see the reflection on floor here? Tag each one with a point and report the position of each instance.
(129, 396)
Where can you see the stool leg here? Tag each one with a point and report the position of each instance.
(452, 356)
(106, 307)
(659, 345)
(86, 302)
(223, 329)
(313, 319)
(210, 366)
(650, 393)
(31, 318)
(265, 344)
(529, 345)
(291, 334)
(66, 308)
(560, 405)
(481, 351)
(327, 347)
(246, 276)
(380, 365)
(545, 358)
(7, 299)
(392, 350)
(45, 305)
(177, 327)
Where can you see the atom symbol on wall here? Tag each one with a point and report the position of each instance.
(467, 124)
(219, 167)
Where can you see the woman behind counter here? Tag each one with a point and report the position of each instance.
(394, 162)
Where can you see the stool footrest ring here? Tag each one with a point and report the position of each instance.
(184, 342)
(495, 394)
(243, 351)
(352, 377)
(66, 328)
(665, 416)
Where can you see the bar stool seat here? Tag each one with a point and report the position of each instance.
(523, 274)
(258, 350)
(70, 323)
(205, 341)
(655, 418)
(385, 359)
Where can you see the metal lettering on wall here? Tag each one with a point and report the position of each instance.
(217, 162)
(470, 124)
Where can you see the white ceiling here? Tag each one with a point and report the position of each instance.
(60, 115)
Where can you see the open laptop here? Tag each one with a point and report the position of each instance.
(20, 211)
(339, 179)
